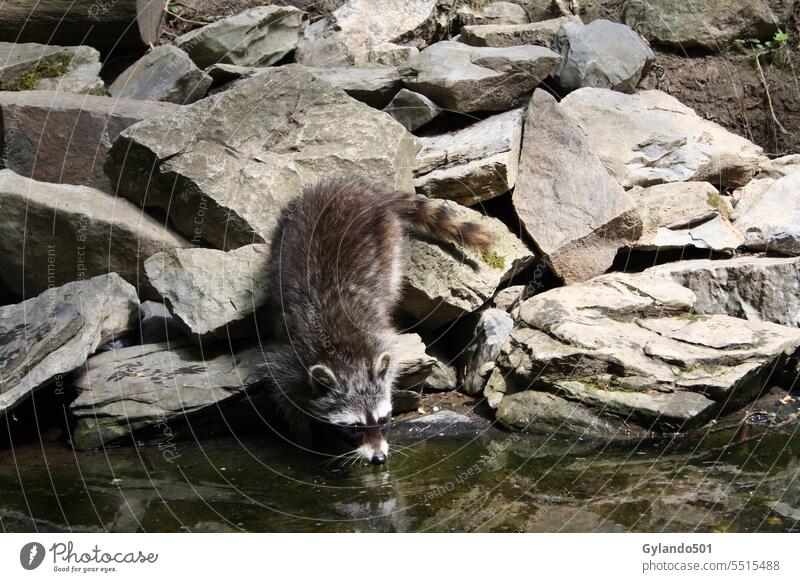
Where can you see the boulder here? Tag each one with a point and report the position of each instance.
(629, 351)
(52, 234)
(412, 110)
(58, 137)
(443, 282)
(510, 298)
(212, 293)
(464, 78)
(685, 214)
(131, 389)
(164, 74)
(650, 138)
(260, 36)
(473, 164)
(48, 336)
(348, 34)
(443, 377)
(601, 54)
(779, 167)
(413, 364)
(494, 13)
(578, 235)
(754, 288)
(33, 66)
(228, 186)
(490, 334)
(156, 324)
(706, 24)
(499, 35)
(768, 216)
(391, 54)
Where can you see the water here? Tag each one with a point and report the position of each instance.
(739, 479)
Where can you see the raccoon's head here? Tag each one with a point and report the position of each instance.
(355, 405)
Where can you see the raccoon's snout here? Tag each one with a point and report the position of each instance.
(378, 459)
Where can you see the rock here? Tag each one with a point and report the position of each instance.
(650, 138)
(706, 24)
(779, 167)
(125, 391)
(601, 54)
(164, 74)
(510, 298)
(473, 164)
(413, 364)
(443, 378)
(227, 186)
(754, 288)
(769, 216)
(491, 332)
(494, 389)
(405, 400)
(463, 78)
(685, 214)
(494, 13)
(579, 235)
(501, 35)
(46, 337)
(412, 110)
(443, 423)
(391, 54)
(630, 347)
(443, 283)
(52, 234)
(260, 36)
(29, 66)
(211, 293)
(349, 33)
(58, 137)
(156, 324)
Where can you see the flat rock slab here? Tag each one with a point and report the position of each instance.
(33, 66)
(60, 137)
(464, 78)
(212, 293)
(350, 33)
(52, 234)
(630, 348)
(51, 335)
(651, 138)
(259, 36)
(755, 288)
(685, 214)
(444, 282)
(225, 167)
(601, 54)
(123, 391)
(579, 235)
(499, 35)
(473, 164)
(164, 74)
(769, 216)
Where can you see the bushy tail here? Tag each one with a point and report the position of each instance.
(433, 218)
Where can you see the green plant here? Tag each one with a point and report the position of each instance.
(44, 69)
(494, 260)
(778, 40)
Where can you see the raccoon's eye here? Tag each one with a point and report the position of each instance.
(383, 420)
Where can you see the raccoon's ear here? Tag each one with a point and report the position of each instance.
(381, 366)
(322, 378)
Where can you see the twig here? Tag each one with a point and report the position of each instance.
(181, 18)
(769, 97)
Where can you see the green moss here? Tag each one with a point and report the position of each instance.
(494, 260)
(100, 92)
(49, 68)
(716, 201)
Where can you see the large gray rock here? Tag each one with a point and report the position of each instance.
(601, 54)
(29, 66)
(493, 13)
(164, 74)
(473, 164)
(46, 337)
(227, 185)
(413, 364)
(59, 137)
(499, 35)
(259, 36)
(124, 391)
(212, 293)
(779, 167)
(52, 234)
(650, 138)
(630, 348)
(769, 216)
(412, 110)
(465, 78)
(349, 33)
(708, 24)
(685, 214)
(579, 235)
(443, 283)
(755, 288)
(488, 337)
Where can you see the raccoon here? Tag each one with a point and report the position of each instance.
(335, 274)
